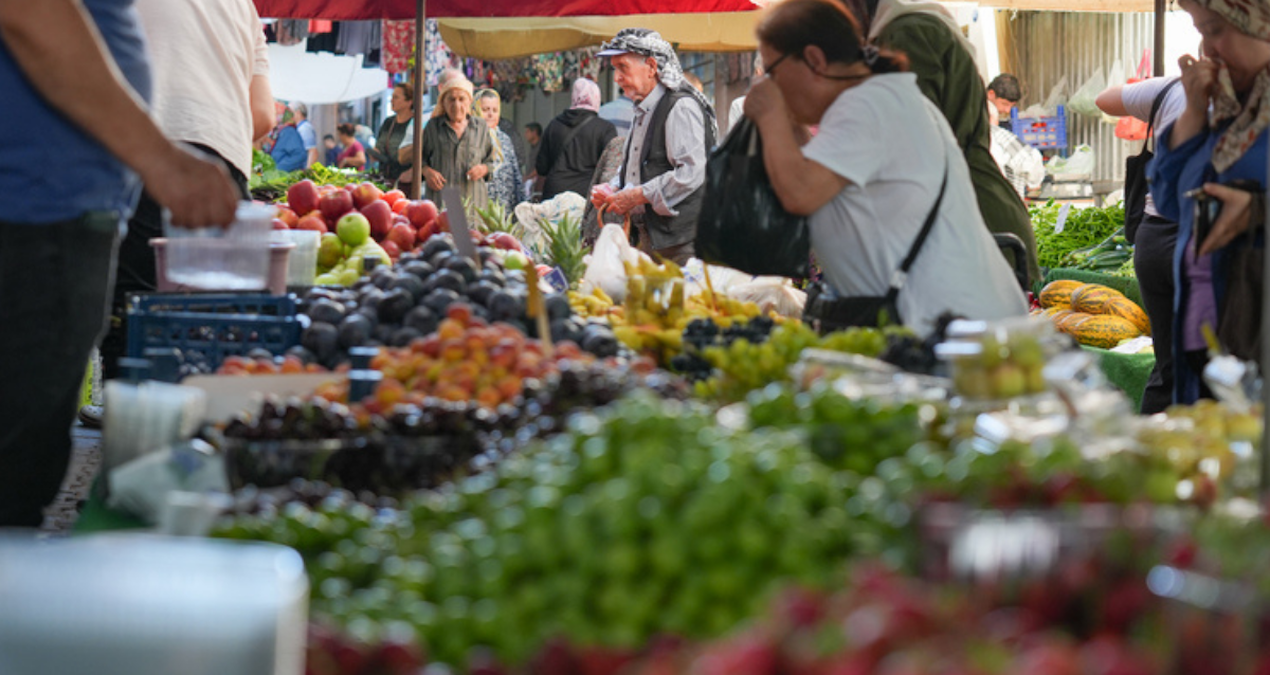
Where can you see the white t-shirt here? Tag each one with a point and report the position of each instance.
(893, 144)
(1139, 97)
(203, 54)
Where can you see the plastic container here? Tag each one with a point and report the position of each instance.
(277, 278)
(232, 259)
(214, 326)
(1041, 132)
(302, 264)
(999, 359)
(131, 604)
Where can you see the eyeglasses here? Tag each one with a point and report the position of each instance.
(769, 70)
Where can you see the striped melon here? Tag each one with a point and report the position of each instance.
(1058, 293)
(1070, 323)
(1130, 311)
(1104, 331)
(1093, 298)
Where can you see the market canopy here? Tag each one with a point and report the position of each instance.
(348, 10)
(321, 78)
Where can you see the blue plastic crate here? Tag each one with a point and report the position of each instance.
(213, 326)
(1041, 133)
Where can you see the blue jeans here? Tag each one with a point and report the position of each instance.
(55, 285)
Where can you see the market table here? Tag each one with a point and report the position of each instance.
(1127, 372)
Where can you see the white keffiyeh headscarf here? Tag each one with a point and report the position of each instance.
(670, 73)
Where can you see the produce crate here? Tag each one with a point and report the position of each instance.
(212, 326)
(1043, 133)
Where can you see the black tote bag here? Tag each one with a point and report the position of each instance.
(1136, 186)
(742, 223)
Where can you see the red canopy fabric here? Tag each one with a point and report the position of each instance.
(349, 10)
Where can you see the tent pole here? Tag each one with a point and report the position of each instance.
(1160, 10)
(421, 67)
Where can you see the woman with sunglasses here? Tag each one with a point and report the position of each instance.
(882, 164)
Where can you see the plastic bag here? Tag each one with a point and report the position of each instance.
(1082, 162)
(742, 223)
(1083, 100)
(1129, 127)
(775, 294)
(604, 265)
(529, 214)
(1050, 107)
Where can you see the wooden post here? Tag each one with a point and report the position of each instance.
(1161, 9)
(421, 81)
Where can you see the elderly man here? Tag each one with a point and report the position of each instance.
(664, 162)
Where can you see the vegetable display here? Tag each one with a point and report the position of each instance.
(1082, 228)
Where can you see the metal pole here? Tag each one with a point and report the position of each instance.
(1160, 11)
(1265, 362)
(421, 66)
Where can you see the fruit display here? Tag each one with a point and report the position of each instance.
(394, 306)
(265, 363)
(597, 535)
(1000, 362)
(1093, 314)
(564, 249)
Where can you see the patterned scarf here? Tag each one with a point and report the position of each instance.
(670, 73)
(1252, 18)
(586, 95)
(499, 157)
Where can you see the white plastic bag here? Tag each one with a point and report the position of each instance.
(1081, 163)
(1050, 107)
(604, 266)
(776, 294)
(529, 214)
(1084, 100)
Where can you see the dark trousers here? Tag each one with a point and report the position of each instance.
(679, 253)
(55, 282)
(1153, 263)
(136, 272)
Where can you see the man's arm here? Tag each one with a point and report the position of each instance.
(57, 44)
(263, 114)
(686, 149)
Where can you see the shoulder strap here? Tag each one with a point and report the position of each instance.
(1155, 108)
(573, 133)
(897, 282)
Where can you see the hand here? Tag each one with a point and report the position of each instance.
(622, 202)
(199, 193)
(764, 99)
(478, 172)
(1199, 80)
(1236, 214)
(434, 178)
(600, 194)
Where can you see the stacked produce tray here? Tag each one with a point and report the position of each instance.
(212, 326)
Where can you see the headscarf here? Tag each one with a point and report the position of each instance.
(586, 95)
(889, 10)
(670, 73)
(450, 80)
(493, 132)
(1252, 18)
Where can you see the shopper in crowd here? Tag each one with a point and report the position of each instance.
(353, 156)
(1004, 94)
(662, 180)
(210, 74)
(1219, 137)
(533, 139)
(308, 134)
(621, 113)
(331, 150)
(882, 161)
(737, 110)
(74, 77)
(457, 149)
(943, 60)
(1022, 164)
(606, 170)
(287, 149)
(1155, 237)
(507, 185)
(573, 143)
(392, 132)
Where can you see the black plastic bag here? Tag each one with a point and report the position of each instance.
(742, 223)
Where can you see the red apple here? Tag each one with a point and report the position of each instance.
(403, 236)
(399, 207)
(401, 219)
(421, 212)
(365, 193)
(303, 196)
(312, 222)
(393, 196)
(286, 215)
(279, 224)
(335, 204)
(380, 216)
(425, 233)
(443, 221)
(505, 241)
(390, 247)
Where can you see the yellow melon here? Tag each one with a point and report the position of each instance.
(1104, 331)
(1130, 311)
(1058, 293)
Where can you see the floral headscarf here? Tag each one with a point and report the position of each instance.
(670, 73)
(586, 95)
(1252, 18)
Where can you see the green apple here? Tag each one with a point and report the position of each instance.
(515, 260)
(330, 250)
(353, 229)
(370, 249)
(349, 277)
(327, 280)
